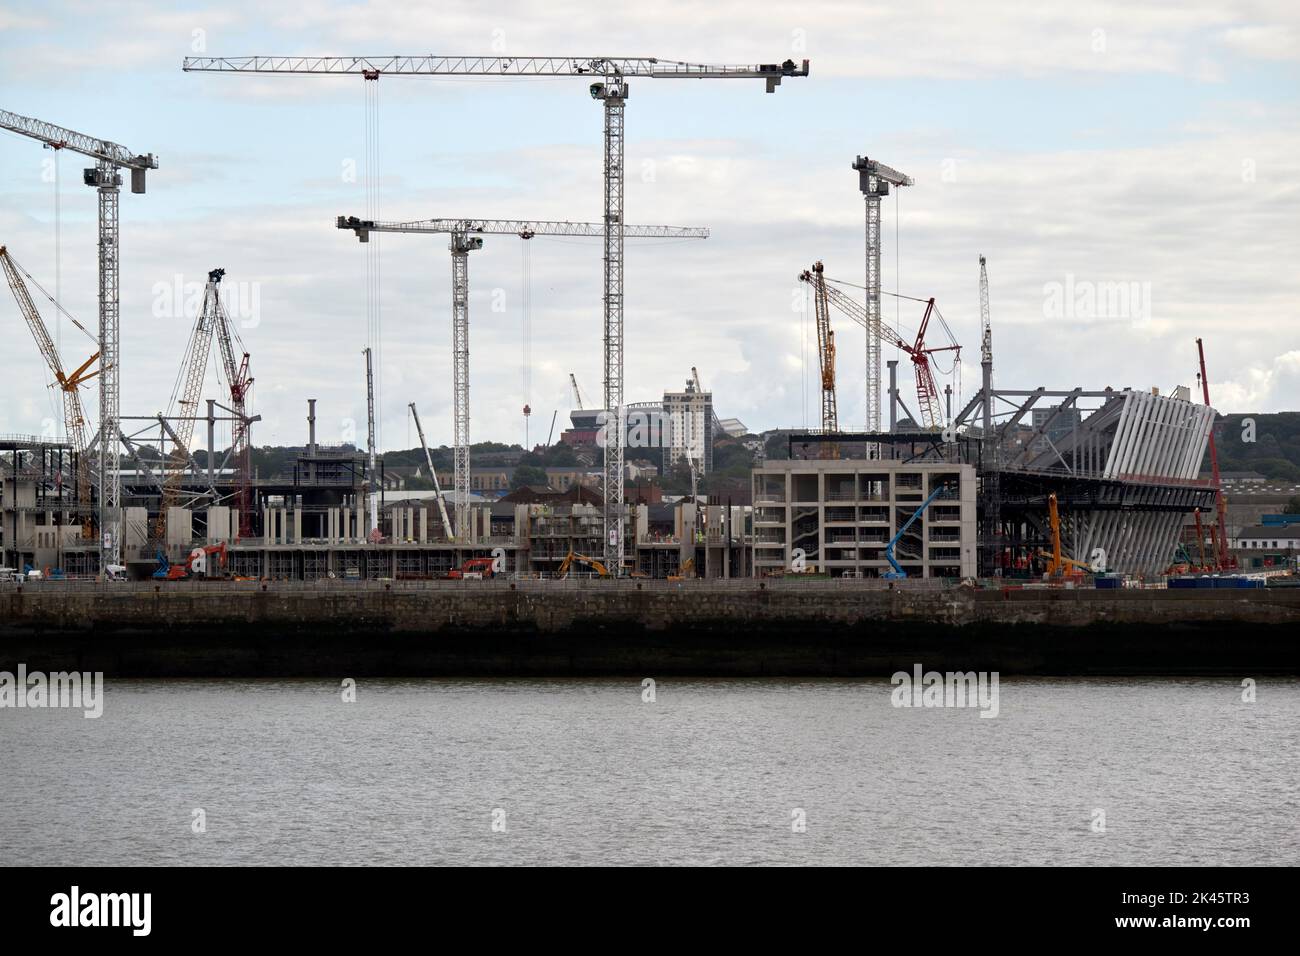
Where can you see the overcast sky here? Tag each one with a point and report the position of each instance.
(1077, 145)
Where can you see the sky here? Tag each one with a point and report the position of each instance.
(1131, 171)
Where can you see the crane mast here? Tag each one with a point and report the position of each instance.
(577, 395)
(239, 382)
(437, 488)
(466, 236)
(370, 440)
(109, 158)
(825, 355)
(874, 180)
(612, 94)
(986, 321)
(74, 417)
(194, 368)
(1221, 556)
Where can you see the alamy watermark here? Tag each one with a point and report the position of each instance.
(1084, 299)
(174, 299)
(70, 689)
(75, 908)
(949, 689)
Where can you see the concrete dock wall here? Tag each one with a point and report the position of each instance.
(738, 628)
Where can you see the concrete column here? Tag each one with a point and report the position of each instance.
(297, 525)
(347, 524)
(424, 525)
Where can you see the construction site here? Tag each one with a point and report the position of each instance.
(1056, 484)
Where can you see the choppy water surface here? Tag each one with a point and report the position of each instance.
(710, 773)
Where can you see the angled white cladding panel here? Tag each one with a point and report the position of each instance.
(1158, 437)
(1113, 453)
(1140, 543)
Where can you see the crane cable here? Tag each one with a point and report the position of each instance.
(374, 270)
(527, 358)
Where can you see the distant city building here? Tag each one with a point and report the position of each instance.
(689, 428)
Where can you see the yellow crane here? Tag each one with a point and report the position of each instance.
(74, 416)
(575, 558)
(1057, 563)
(825, 356)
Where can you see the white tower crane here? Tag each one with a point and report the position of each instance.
(986, 344)
(612, 92)
(370, 440)
(874, 179)
(104, 176)
(466, 236)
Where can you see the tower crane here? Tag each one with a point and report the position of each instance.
(577, 395)
(825, 355)
(986, 322)
(370, 441)
(433, 473)
(926, 391)
(465, 237)
(611, 90)
(874, 180)
(104, 176)
(193, 369)
(74, 418)
(986, 347)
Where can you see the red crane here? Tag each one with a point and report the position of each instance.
(927, 393)
(1221, 557)
(239, 382)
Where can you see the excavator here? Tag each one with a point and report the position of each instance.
(563, 570)
(475, 569)
(196, 565)
(1057, 564)
(687, 570)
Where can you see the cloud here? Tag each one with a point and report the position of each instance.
(1199, 208)
(1273, 42)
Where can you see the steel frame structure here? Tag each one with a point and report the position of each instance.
(1127, 471)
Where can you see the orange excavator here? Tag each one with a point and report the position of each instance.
(475, 569)
(205, 562)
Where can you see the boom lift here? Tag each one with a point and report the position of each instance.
(898, 571)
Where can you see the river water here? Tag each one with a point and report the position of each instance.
(709, 772)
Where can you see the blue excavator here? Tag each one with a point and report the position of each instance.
(898, 571)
